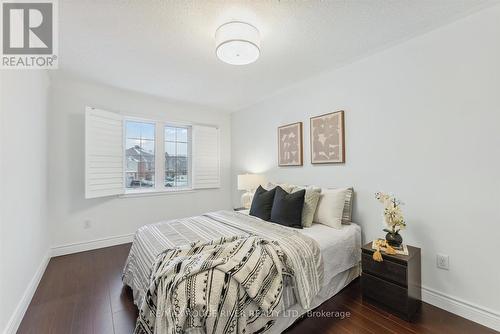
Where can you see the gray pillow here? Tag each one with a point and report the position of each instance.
(285, 186)
(311, 200)
(347, 213)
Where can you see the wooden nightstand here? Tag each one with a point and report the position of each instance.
(394, 282)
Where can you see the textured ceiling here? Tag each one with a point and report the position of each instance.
(166, 48)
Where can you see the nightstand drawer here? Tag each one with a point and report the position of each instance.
(391, 271)
(387, 293)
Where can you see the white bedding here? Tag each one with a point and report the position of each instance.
(340, 248)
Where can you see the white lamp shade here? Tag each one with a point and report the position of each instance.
(237, 43)
(250, 182)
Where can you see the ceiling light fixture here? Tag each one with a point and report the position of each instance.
(237, 43)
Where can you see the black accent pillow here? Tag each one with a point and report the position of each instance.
(287, 208)
(262, 203)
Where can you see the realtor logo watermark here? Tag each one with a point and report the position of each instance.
(29, 34)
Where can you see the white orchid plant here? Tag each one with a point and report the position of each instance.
(393, 216)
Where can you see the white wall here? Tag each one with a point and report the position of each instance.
(24, 243)
(114, 216)
(422, 122)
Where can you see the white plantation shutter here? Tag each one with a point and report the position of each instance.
(206, 161)
(103, 153)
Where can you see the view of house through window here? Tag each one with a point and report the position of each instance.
(139, 154)
(176, 156)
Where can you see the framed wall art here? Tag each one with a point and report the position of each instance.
(290, 145)
(328, 138)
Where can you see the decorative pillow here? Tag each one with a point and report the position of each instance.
(287, 208)
(262, 203)
(347, 213)
(330, 207)
(311, 199)
(285, 186)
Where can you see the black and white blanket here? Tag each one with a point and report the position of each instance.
(233, 279)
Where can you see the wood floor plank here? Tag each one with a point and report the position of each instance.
(370, 323)
(83, 293)
(352, 326)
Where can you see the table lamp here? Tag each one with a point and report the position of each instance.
(248, 183)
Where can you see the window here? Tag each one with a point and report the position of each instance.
(139, 155)
(177, 161)
(125, 155)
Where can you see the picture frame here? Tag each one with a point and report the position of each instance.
(327, 138)
(290, 145)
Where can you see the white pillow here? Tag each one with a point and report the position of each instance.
(330, 207)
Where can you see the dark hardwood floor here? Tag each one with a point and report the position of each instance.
(83, 293)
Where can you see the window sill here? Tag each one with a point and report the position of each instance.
(155, 192)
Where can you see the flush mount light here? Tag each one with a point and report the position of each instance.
(237, 43)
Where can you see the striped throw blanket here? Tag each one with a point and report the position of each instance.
(221, 286)
(223, 272)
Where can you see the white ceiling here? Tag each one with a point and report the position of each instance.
(166, 47)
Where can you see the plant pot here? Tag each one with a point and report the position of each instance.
(394, 239)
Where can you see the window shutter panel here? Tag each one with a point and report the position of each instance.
(206, 160)
(103, 153)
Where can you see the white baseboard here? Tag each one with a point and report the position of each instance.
(473, 312)
(22, 306)
(92, 244)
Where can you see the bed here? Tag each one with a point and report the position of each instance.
(337, 260)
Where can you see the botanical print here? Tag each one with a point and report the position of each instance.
(327, 138)
(290, 145)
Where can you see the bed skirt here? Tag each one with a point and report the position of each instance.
(330, 289)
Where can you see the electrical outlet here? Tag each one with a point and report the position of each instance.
(87, 224)
(443, 261)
